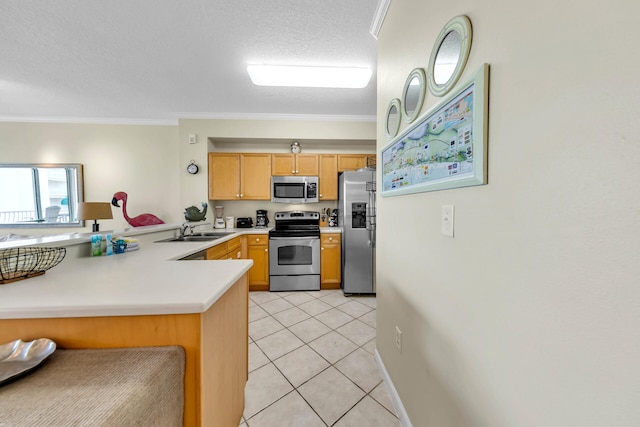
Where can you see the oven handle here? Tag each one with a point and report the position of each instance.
(294, 238)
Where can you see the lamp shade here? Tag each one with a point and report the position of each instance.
(94, 210)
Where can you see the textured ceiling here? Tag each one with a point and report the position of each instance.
(159, 60)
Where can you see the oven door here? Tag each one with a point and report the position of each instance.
(294, 256)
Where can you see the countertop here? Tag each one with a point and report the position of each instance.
(148, 281)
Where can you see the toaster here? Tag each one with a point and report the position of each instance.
(246, 222)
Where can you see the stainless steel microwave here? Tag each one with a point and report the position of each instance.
(294, 189)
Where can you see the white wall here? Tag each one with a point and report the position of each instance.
(529, 316)
(139, 160)
(149, 162)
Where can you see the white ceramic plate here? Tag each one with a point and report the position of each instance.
(19, 358)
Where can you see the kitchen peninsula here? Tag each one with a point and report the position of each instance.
(147, 298)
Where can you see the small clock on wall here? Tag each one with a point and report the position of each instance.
(192, 168)
(295, 147)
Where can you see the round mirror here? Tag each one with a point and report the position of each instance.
(449, 55)
(392, 125)
(413, 95)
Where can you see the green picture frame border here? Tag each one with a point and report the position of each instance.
(480, 82)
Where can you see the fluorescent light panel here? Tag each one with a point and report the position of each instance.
(297, 76)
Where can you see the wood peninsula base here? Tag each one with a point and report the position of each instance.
(215, 343)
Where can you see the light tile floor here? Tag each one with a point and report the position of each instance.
(311, 362)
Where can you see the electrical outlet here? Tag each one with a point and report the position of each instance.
(399, 339)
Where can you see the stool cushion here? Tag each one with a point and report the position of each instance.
(99, 387)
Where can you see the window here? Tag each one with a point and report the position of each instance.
(40, 195)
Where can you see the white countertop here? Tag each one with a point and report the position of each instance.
(143, 282)
(148, 281)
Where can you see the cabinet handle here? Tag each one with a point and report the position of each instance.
(237, 195)
(330, 238)
(322, 249)
(241, 195)
(321, 195)
(257, 239)
(266, 250)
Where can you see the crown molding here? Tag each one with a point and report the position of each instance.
(91, 120)
(378, 17)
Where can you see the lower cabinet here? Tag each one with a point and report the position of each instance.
(227, 250)
(258, 251)
(330, 261)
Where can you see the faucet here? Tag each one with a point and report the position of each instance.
(184, 227)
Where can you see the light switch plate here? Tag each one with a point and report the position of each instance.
(447, 220)
(192, 139)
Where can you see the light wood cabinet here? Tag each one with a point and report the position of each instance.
(231, 249)
(351, 162)
(258, 251)
(239, 176)
(294, 164)
(330, 261)
(328, 177)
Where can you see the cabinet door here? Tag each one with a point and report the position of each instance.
(255, 179)
(224, 176)
(307, 164)
(283, 164)
(330, 261)
(328, 181)
(217, 252)
(351, 162)
(234, 249)
(294, 164)
(258, 251)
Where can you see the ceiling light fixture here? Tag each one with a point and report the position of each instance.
(299, 76)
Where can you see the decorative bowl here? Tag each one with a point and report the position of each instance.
(18, 358)
(22, 263)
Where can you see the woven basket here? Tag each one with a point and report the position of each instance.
(22, 263)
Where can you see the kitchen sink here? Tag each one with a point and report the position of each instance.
(216, 234)
(205, 236)
(195, 238)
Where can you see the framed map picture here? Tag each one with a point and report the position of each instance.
(444, 148)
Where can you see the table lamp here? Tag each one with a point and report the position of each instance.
(94, 211)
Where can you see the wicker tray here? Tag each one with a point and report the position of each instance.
(22, 263)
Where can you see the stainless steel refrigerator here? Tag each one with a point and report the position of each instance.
(357, 217)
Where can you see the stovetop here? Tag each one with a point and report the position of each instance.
(296, 224)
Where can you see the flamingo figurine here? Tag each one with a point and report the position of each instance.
(136, 221)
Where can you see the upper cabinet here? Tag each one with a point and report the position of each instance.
(294, 164)
(247, 176)
(328, 177)
(239, 176)
(351, 162)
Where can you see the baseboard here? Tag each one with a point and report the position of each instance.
(393, 393)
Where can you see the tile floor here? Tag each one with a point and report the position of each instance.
(311, 362)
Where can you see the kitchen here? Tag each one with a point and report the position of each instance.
(528, 316)
(127, 165)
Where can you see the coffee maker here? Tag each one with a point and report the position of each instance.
(219, 221)
(262, 220)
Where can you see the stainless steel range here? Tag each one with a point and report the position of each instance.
(294, 252)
